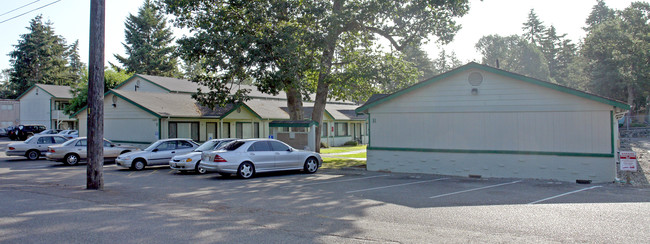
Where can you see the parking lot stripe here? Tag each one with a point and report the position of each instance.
(475, 189)
(382, 187)
(336, 181)
(564, 194)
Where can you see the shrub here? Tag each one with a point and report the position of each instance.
(324, 145)
(351, 143)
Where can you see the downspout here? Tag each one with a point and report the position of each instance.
(159, 128)
(51, 124)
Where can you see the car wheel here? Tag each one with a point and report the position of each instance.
(311, 165)
(246, 170)
(71, 159)
(138, 164)
(33, 154)
(198, 169)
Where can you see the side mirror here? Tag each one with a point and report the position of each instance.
(290, 150)
(112, 145)
(154, 150)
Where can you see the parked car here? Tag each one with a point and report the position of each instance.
(158, 153)
(33, 147)
(49, 132)
(250, 156)
(75, 150)
(22, 132)
(3, 132)
(69, 133)
(191, 161)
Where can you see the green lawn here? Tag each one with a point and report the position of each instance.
(337, 163)
(356, 155)
(342, 149)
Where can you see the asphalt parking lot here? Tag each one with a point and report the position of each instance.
(343, 206)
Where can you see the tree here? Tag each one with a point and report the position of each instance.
(112, 77)
(599, 14)
(76, 66)
(513, 54)
(333, 36)
(38, 58)
(148, 44)
(533, 28)
(445, 62)
(618, 52)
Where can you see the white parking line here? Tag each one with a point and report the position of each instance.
(564, 194)
(336, 181)
(475, 189)
(382, 187)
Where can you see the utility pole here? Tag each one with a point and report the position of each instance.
(95, 169)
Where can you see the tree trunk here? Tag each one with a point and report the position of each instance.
(294, 103)
(95, 168)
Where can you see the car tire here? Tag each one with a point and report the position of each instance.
(246, 170)
(198, 169)
(138, 164)
(311, 165)
(71, 159)
(33, 154)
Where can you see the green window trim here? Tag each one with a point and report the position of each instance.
(570, 154)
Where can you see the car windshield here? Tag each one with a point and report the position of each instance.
(152, 146)
(70, 142)
(233, 145)
(208, 145)
(29, 139)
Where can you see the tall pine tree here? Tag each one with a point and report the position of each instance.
(38, 58)
(148, 44)
(533, 28)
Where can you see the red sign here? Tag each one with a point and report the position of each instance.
(628, 161)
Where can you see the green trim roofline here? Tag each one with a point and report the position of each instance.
(573, 154)
(36, 85)
(473, 65)
(238, 106)
(147, 80)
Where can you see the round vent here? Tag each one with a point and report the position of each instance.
(475, 78)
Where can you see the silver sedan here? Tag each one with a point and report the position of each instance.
(75, 150)
(34, 147)
(248, 157)
(158, 153)
(192, 160)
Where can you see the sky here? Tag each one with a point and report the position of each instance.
(70, 19)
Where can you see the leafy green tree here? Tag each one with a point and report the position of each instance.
(112, 77)
(533, 28)
(617, 51)
(39, 57)
(513, 54)
(445, 62)
(148, 44)
(324, 39)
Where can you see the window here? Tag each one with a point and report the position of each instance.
(184, 144)
(184, 130)
(341, 129)
(81, 143)
(260, 146)
(324, 130)
(60, 105)
(233, 146)
(7, 107)
(44, 140)
(247, 130)
(226, 130)
(107, 144)
(58, 140)
(279, 146)
(211, 130)
(168, 145)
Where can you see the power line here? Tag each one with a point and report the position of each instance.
(20, 7)
(30, 11)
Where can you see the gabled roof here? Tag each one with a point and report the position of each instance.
(379, 99)
(61, 92)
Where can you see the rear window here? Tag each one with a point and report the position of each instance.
(233, 145)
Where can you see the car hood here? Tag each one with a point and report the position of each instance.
(135, 154)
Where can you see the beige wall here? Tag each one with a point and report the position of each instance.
(35, 109)
(9, 112)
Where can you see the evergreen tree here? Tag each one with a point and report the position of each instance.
(76, 67)
(514, 54)
(38, 58)
(533, 28)
(148, 44)
(445, 62)
(599, 14)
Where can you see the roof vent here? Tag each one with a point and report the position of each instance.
(475, 78)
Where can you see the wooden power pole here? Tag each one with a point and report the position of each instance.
(95, 169)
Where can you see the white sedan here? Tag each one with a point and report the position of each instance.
(34, 147)
(248, 157)
(158, 153)
(192, 160)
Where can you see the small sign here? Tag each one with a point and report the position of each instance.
(628, 161)
(270, 136)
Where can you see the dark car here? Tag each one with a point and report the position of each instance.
(22, 132)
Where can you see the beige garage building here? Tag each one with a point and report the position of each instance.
(479, 120)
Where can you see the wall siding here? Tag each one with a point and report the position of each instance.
(35, 109)
(508, 117)
(145, 86)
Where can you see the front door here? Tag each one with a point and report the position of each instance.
(163, 153)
